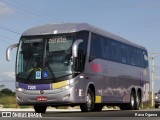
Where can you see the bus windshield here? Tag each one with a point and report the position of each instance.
(44, 57)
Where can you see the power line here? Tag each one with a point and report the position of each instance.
(10, 30)
(41, 13)
(30, 11)
(23, 12)
(6, 37)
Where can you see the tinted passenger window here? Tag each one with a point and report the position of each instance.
(96, 47)
(105, 48)
(124, 53)
(82, 49)
(115, 54)
(145, 58)
(133, 58)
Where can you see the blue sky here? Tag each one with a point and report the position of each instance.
(135, 20)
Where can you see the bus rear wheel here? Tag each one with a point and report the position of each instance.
(40, 109)
(89, 105)
(131, 105)
(138, 101)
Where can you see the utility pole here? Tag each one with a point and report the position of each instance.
(152, 77)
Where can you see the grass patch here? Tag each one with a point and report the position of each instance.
(10, 102)
(7, 100)
(24, 107)
(9, 106)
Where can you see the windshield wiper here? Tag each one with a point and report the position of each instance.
(51, 72)
(30, 75)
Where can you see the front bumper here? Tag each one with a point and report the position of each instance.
(54, 97)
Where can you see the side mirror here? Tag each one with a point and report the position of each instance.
(75, 47)
(8, 51)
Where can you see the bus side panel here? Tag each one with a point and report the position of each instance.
(113, 81)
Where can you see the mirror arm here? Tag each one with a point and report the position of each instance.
(8, 51)
(75, 47)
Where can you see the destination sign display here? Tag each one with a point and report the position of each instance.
(33, 40)
(59, 39)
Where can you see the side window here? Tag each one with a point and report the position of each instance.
(105, 48)
(132, 53)
(83, 46)
(124, 54)
(145, 58)
(115, 55)
(82, 49)
(140, 58)
(95, 47)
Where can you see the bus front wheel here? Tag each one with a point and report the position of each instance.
(89, 105)
(40, 109)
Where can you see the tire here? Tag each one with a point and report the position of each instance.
(132, 104)
(89, 105)
(98, 107)
(40, 109)
(138, 101)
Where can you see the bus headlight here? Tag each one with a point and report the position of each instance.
(71, 84)
(65, 87)
(20, 89)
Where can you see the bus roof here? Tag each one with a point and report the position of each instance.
(73, 27)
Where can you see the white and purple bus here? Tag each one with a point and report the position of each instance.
(78, 64)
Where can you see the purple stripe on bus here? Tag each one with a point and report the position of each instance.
(35, 86)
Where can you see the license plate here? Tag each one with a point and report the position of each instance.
(42, 98)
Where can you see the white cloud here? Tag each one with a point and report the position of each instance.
(5, 10)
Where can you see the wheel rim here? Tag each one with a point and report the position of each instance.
(132, 101)
(89, 101)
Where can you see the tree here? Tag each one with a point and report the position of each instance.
(7, 91)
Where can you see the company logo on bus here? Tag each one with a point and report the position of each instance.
(96, 68)
(41, 92)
